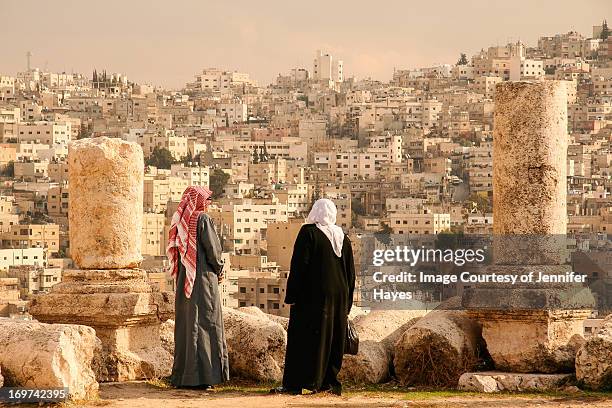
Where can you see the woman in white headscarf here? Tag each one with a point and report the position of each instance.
(320, 291)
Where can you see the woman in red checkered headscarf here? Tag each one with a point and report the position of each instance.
(194, 252)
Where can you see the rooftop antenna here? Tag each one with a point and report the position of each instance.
(28, 56)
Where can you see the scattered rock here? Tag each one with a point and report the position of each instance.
(356, 311)
(515, 382)
(256, 346)
(437, 349)
(572, 389)
(594, 359)
(252, 310)
(166, 334)
(479, 382)
(40, 355)
(377, 331)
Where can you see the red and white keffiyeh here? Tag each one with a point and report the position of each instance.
(183, 233)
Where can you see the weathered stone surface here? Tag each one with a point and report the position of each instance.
(1, 378)
(530, 170)
(256, 346)
(369, 366)
(379, 324)
(255, 311)
(166, 334)
(437, 349)
(378, 332)
(494, 381)
(594, 359)
(39, 355)
(126, 312)
(105, 203)
(527, 341)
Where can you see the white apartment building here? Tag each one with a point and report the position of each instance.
(48, 133)
(419, 224)
(216, 80)
(525, 68)
(7, 87)
(195, 175)
(22, 256)
(287, 148)
(243, 226)
(326, 69)
(232, 112)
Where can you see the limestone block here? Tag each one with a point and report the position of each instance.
(39, 355)
(493, 381)
(532, 341)
(378, 331)
(369, 366)
(256, 346)
(255, 311)
(594, 359)
(437, 349)
(166, 334)
(105, 203)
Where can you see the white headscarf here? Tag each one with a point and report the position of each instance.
(323, 215)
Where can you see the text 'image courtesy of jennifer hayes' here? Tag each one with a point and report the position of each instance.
(421, 272)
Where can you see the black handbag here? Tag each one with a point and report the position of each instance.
(351, 345)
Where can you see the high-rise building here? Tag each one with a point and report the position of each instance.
(326, 69)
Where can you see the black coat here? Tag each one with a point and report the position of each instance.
(320, 290)
(200, 351)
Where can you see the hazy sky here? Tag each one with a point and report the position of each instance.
(166, 42)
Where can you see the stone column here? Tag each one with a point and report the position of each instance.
(108, 292)
(105, 203)
(530, 327)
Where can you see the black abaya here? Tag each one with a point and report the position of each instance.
(320, 290)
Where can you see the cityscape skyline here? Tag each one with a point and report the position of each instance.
(249, 40)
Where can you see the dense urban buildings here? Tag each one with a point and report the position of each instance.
(412, 156)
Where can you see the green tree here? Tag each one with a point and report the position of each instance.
(8, 170)
(462, 59)
(383, 235)
(605, 31)
(357, 206)
(160, 158)
(218, 180)
(189, 158)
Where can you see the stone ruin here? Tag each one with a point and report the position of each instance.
(530, 327)
(527, 329)
(108, 292)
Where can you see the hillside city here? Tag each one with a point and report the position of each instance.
(410, 156)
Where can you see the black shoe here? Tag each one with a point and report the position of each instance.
(203, 387)
(283, 390)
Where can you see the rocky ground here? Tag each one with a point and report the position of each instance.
(151, 394)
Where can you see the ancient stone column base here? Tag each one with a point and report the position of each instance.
(126, 312)
(532, 341)
(531, 327)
